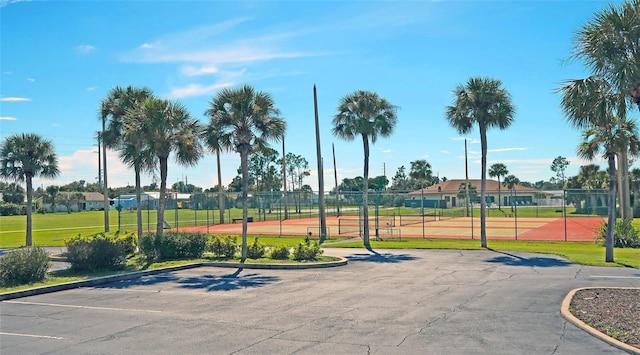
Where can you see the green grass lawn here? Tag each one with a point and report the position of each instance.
(584, 253)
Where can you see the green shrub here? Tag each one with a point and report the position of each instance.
(24, 266)
(280, 253)
(624, 234)
(223, 246)
(256, 250)
(95, 252)
(10, 209)
(127, 241)
(307, 251)
(173, 245)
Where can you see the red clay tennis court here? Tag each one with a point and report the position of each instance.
(574, 229)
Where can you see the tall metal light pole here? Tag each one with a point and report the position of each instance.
(323, 218)
(105, 189)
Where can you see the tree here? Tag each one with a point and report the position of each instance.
(497, 170)
(510, 182)
(481, 101)
(23, 157)
(210, 137)
(52, 192)
(399, 180)
(124, 134)
(68, 199)
(297, 169)
(168, 128)
(421, 172)
(246, 121)
(634, 176)
(368, 115)
(462, 192)
(559, 166)
(608, 45)
(378, 183)
(13, 193)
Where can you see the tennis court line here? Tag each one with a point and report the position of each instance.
(83, 307)
(32, 336)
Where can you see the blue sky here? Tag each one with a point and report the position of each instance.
(60, 58)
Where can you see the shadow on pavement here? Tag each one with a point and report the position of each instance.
(226, 282)
(141, 281)
(376, 257)
(515, 260)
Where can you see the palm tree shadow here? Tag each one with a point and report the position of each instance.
(227, 282)
(376, 257)
(515, 260)
(141, 281)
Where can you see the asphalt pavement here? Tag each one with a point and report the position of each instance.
(392, 302)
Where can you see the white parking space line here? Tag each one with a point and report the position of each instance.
(615, 277)
(31, 336)
(84, 307)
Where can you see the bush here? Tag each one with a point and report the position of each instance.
(96, 252)
(127, 241)
(223, 247)
(173, 245)
(24, 266)
(280, 253)
(307, 251)
(255, 250)
(11, 209)
(624, 234)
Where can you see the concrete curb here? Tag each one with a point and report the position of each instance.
(137, 274)
(564, 310)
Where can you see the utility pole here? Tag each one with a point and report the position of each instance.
(335, 176)
(323, 218)
(284, 182)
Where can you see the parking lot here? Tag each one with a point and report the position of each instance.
(394, 302)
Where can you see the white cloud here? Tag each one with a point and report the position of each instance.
(147, 46)
(85, 49)
(4, 3)
(31, 80)
(7, 72)
(91, 88)
(387, 151)
(14, 99)
(7, 118)
(193, 71)
(84, 163)
(506, 149)
(444, 151)
(196, 90)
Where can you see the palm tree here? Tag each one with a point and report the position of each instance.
(593, 102)
(421, 171)
(366, 114)
(245, 120)
(168, 128)
(23, 157)
(510, 182)
(634, 177)
(123, 133)
(210, 135)
(497, 170)
(483, 101)
(605, 139)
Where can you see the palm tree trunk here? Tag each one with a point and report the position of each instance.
(244, 166)
(623, 186)
(138, 202)
(365, 195)
(611, 218)
(162, 198)
(221, 206)
(499, 207)
(105, 188)
(29, 236)
(483, 184)
(285, 198)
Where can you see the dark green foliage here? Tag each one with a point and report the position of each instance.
(624, 234)
(223, 246)
(24, 266)
(307, 251)
(11, 209)
(280, 253)
(173, 245)
(96, 252)
(127, 241)
(256, 250)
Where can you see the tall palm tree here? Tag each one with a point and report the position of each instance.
(245, 120)
(368, 115)
(604, 139)
(211, 138)
(593, 102)
(421, 171)
(497, 170)
(23, 157)
(485, 102)
(608, 44)
(123, 133)
(510, 182)
(634, 177)
(169, 129)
